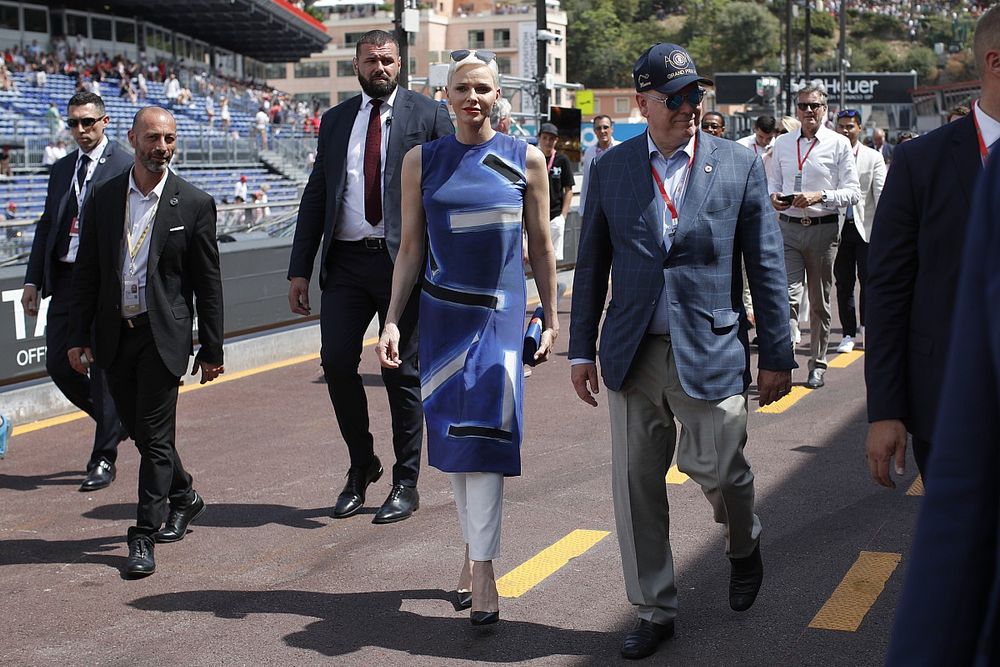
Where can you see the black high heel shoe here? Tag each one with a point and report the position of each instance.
(464, 598)
(484, 617)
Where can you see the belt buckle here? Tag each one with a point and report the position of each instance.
(129, 323)
(806, 221)
(373, 243)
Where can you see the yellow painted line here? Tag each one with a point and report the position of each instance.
(917, 488)
(787, 401)
(539, 567)
(857, 592)
(21, 429)
(675, 476)
(845, 359)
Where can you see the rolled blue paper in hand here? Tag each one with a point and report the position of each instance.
(5, 429)
(533, 336)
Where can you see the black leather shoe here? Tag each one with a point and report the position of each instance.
(484, 617)
(178, 520)
(140, 561)
(744, 583)
(99, 476)
(815, 380)
(645, 639)
(352, 498)
(463, 598)
(402, 502)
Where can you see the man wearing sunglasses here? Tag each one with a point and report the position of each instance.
(351, 209)
(812, 178)
(714, 123)
(852, 254)
(50, 272)
(604, 129)
(667, 212)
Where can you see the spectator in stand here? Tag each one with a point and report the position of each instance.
(140, 82)
(957, 112)
(210, 110)
(224, 113)
(55, 151)
(11, 212)
(172, 88)
(6, 82)
(260, 125)
(240, 190)
(54, 120)
(5, 169)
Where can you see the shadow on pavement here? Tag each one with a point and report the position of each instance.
(352, 621)
(35, 552)
(234, 515)
(33, 482)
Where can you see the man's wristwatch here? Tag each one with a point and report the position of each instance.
(823, 197)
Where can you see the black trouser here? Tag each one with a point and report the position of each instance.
(146, 394)
(922, 454)
(359, 285)
(852, 255)
(89, 394)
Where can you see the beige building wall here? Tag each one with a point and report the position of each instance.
(507, 30)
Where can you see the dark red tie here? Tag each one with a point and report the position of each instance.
(373, 166)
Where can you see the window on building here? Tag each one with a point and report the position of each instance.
(323, 98)
(312, 70)
(8, 18)
(622, 105)
(412, 66)
(75, 24)
(275, 71)
(503, 64)
(36, 20)
(351, 38)
(477, 39)
(125, 32)
(345, 68)
(559, 95)
(345, 95)
(100, 29)
(501, 38)
(558, 66)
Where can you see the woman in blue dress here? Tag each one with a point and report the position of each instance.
(467, 195)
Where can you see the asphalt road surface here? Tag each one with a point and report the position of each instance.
(268, 577)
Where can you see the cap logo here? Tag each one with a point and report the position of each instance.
(677, 59)
(643, 80)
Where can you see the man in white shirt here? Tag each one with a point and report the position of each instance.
(260, 124)
(604, 129)
(812, 178)
(761, 141)
(852, 255)
(172, 88)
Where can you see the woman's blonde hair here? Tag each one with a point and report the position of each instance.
(472, 59)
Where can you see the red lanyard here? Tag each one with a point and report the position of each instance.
(798, 152)
(983, 152)
(552, 159)
(674, 215)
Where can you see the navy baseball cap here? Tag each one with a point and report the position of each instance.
(548, 128)
(665, 68)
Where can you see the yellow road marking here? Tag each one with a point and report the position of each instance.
(675, 476)
(917, 488)
(857, 592)
(845, 359)
(536, 569)
(21, 429)
(787, 401)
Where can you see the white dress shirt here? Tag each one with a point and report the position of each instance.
(829, 169)
(94, 155)
(988, 126)
(141, 212)
(751, 143)
(352, 225)
(589, 155)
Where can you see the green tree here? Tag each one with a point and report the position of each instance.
(924, 62)
(746, 36)
(595, 40)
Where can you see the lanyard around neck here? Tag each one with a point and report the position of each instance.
(798, 152)
(133, 249)
(984, 152)
(663, 191)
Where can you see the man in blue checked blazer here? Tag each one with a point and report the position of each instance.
(669, 214)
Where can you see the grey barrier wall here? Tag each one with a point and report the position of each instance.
(255, 293)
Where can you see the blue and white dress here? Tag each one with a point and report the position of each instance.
(472, 305)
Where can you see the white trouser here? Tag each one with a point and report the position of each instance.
(479, 499)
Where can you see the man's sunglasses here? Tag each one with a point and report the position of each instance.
(674, 102)
(810, 106)
(711, 126)
(480, 54)
(848, 113)
(85, 122)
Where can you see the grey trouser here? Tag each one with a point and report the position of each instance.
(710, 451)
(811, 251)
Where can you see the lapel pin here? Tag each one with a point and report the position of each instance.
(708, 169)
(102, 160)
(173, 201)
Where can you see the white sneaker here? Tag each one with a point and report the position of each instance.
(846, 345)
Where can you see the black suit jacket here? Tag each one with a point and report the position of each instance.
(913, 266)
(114, 161)
(183, 264)
(416, 119)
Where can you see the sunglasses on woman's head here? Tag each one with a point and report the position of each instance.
(674, 102)
(480, 54)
